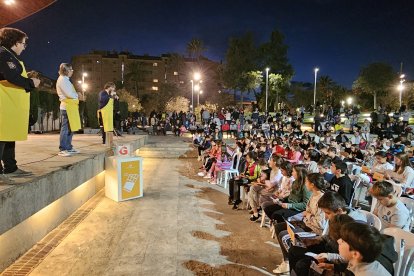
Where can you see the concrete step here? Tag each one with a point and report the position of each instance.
(164, 149)
(167, 155)
(167, 145)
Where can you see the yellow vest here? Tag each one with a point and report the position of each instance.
(14, 110)
(72, 109)
(107, 114)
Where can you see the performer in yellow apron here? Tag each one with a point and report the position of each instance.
(106, 109)
(14, 99)
(69, 110)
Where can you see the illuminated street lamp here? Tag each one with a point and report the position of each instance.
(314, 90)
(196, 77)
(401, 87)
(267, 85)
(349, 101)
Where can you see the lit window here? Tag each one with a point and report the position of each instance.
(155, 80)
(155, 64)
(175, 73)
(155, 88)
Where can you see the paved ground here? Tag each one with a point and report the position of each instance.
(153, 235)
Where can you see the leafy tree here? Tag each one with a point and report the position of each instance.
(91, 110)
(375, 79)
(133, 102)
(326, 87)
(195, 48)
(250, 82)
(241, 57)
(276, 88)
(177, 104)
(273, 54)
(34, 105)
(136, 74)
(211, 107)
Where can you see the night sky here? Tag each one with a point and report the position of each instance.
(337, 36)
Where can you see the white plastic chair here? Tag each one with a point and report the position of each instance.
(372, 219)
(227, 174)
(404, 245)
(397, 192)
(356, 183)
(409, 203)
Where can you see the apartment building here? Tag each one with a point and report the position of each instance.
(99, 67)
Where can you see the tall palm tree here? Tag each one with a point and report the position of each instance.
(195, 48)
(135, 75)
(326, 87)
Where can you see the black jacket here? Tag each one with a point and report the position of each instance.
(11, 70)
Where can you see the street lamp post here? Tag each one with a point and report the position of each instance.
(401, 87)
(314, 90)
(267, 85)
(197, 90)
(192, 96)
(196, 77)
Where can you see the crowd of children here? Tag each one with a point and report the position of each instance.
(307, 185)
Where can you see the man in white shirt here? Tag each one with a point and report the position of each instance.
(65, 90)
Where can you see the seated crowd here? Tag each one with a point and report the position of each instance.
(307, 186)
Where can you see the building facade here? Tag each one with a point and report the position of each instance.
(141, 74)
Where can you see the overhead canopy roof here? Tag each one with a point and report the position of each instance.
(20, 9)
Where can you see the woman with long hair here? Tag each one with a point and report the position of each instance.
(295, 202)
(403, 172)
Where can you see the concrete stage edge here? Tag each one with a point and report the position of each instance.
(36, 205)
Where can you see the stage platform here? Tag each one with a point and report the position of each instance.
(35, 205)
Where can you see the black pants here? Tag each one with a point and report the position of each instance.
(301, 263)
(234, 188)
(8, 156)
(102, 128)
(277, 213)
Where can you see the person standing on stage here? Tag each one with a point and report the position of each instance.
(106, 105)
(69, 110)
(14, 100)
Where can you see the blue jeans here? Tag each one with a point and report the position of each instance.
(65, 133)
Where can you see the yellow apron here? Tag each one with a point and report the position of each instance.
(72, 109)
(107, 114)
(14, 111)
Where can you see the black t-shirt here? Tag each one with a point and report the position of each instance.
(343, 186)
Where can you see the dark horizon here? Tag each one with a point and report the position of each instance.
(337, 37)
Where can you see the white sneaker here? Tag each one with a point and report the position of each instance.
(201, 174)
(4, 180)
(282, 268)
(64, 153)
(73, 151)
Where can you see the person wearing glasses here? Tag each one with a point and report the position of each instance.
(69, 110)
(15, 86)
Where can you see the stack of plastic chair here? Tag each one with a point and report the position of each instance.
(404, 245)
